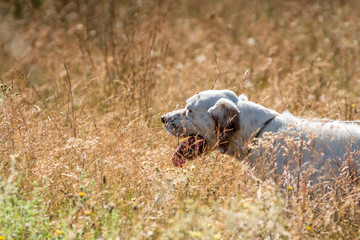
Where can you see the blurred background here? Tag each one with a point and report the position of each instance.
(83, 153)
(300, 55)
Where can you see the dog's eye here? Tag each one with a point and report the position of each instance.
(189, 111)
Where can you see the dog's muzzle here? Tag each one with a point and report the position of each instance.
(189, 149)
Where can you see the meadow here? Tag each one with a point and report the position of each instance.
(83, 154)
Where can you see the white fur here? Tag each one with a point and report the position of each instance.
(324, 142)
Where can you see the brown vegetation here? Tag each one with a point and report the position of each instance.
(80, 129)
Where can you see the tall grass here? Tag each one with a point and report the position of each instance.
(83, 153)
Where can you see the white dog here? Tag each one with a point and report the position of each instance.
(241, 128)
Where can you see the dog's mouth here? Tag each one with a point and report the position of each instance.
(188, 150)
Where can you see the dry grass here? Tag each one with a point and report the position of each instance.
(83, 153)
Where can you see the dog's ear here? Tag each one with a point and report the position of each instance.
(227, 121)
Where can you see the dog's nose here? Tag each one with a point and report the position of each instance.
(163, 119)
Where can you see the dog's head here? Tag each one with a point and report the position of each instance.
(212, 116)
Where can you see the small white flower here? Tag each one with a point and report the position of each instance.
(179, 66)
(92, 33)
(250, 41)
(200, 58)
(79, 27)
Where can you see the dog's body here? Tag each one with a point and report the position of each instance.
(233, 123)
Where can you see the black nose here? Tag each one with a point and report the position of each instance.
(163, 120)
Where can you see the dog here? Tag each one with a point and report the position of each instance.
(245, 130)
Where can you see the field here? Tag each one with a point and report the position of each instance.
(83, 154)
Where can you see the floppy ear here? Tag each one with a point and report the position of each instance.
(227, 121)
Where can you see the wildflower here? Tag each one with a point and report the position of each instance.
(217, 236)
(192, 168)
(92, 33)
(79, 27)
(184, 171)
(2, 238)
(246, 205)
(200, 59)
(87, 213)
(250, 41)
(290, 188)
(195, 234)
(81, 194)
(308, 227)
(353, 105)
(179, 66)
(58, 232)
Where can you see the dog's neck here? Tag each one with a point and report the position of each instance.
(253, 117)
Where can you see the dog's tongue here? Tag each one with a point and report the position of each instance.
(188, 149)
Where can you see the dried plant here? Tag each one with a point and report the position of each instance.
(83, 154)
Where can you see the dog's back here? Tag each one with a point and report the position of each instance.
(325, 149)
